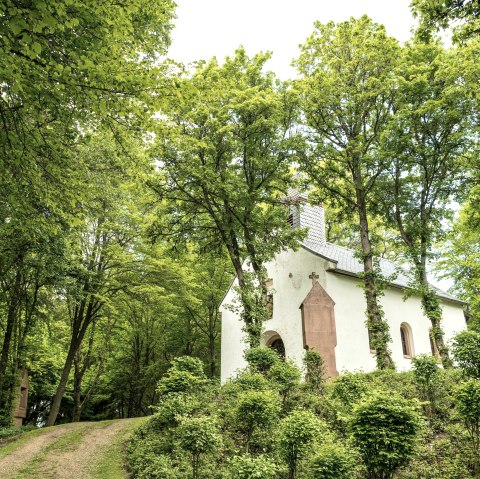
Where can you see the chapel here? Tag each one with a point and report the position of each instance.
(318, 303)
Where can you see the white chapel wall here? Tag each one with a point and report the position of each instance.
(291, 284)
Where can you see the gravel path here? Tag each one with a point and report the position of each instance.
(43, 459)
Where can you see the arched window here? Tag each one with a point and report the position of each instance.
(407, 342)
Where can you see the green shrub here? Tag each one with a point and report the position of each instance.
(245, 381)
(331, 461)
(427, 375)
(468, 405)
(249, 467)
(315, 370)
(385, 428)
(176, 381)
(349, 388)
(297, 434)
(172, 409)
(7, 433)
(255, 409)
(261, 358)
(466, 351)
(191, 365)
(286, 377)
(198, 436)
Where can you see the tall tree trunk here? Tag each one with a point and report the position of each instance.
(433, 311)
(5, 382)
(55, 407)
(81, 321)
(377, 326)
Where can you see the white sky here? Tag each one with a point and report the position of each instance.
(207, 28)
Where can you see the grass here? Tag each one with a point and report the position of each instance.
(18, 441)
(38, 466)
(108, 464)
(111, 464)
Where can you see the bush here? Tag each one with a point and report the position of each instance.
(349, 388)
(385, 429)
(188, 364)
(426, 374)
(249, 467)
(315, 366)
(468, 405)
(245, 381)
(261, 358)
(198, 436)
(298, 432)
(179, 382)
(466, 351)
(172, 409)
(331, 461)
(255, 409)
(286, 376)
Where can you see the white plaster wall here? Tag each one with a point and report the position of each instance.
(232, 343)
(291, 284)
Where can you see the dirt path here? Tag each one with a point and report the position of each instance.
(62, 452)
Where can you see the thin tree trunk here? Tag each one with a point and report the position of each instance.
(377, 326)
(77, 387)
(55, 407)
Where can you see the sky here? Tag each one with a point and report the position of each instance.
(207, 28)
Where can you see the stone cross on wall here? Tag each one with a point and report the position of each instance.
(314, 276)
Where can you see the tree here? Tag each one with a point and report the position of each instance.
(298, 432)
(466, 351)
(225, 153)
(347, 93)
(66, 68)
(427, 143)
(385, 429)
(468, 405)
(436, 14)
(199, 435)
(101, 249)
(255, 409)
(461, 256)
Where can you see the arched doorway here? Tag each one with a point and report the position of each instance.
(278, 346)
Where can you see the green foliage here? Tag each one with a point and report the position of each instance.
(386, 430)
(255, 410)
(190, 365)
(285, 376)
(346, 90)
(261, 358)
(349, 388)
(468, 406)
(198, 436)
(463, 15)
(315, 374)
(184, 376)
(172, 409)
(466, 351)
(231, 129)
(179, 382)
(246, 381)
(297, 434)
(331, 461)
(425, 370)
(254, 467)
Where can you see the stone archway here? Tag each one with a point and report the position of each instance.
(273, 340)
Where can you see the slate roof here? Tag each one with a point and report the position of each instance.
(346, 263)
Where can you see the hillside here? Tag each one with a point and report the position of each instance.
(82, 450)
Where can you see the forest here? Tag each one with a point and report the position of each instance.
(135, 189)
